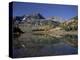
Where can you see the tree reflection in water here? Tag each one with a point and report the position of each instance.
(43, 44)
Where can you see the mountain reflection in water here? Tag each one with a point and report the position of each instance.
(45, 45)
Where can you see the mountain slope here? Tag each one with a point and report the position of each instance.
(72, 24)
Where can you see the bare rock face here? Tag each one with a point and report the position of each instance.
(33, 16)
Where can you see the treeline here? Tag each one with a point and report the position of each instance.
(71, 25)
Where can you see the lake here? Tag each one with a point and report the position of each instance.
(33, 45)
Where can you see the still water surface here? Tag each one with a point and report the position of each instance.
(40, 44)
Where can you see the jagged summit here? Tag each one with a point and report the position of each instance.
(33, 16)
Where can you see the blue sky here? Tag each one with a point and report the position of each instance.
(47, 10)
